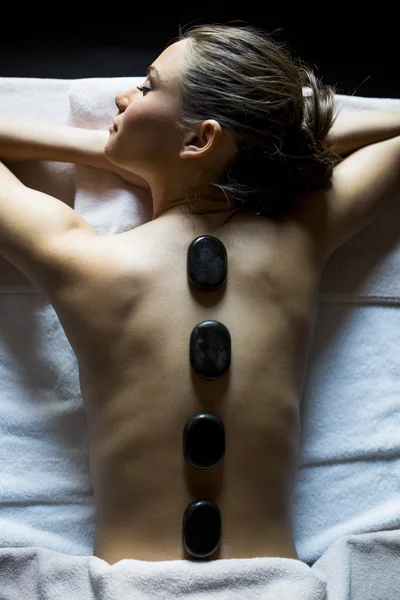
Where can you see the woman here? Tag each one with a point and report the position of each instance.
(221, 125)
(219, 129)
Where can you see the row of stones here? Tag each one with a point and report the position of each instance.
(204, 434)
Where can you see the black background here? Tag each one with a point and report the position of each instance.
(355, 52)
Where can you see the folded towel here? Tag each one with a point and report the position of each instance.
(357, 567)
(349, 466)
(39, 574)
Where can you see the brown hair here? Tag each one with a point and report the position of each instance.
(250, 84)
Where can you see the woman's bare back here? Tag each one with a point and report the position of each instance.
(129, 322)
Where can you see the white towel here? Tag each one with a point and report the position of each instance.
(349, 468)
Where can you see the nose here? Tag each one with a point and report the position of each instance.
(123, 99)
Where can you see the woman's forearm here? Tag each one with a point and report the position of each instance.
(354, 129)
(28, 139)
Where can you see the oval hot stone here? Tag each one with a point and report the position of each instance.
(207, 263)
(204, 441)
(201, 528)
(210, 349)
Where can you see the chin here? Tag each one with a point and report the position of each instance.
(109, 154)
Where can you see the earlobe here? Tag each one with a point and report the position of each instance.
(191, 146)
(190, 151)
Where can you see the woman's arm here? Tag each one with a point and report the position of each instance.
(354, 129)
(28, 139)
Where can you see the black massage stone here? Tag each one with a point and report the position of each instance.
(201, 528)
(207, 263)
(210, 349)
(204, 441)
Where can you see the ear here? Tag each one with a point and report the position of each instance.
(199, 143)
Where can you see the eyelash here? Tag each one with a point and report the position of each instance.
(144, 89)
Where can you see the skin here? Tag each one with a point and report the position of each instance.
(148, 143)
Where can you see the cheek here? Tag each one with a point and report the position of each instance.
(149, 127)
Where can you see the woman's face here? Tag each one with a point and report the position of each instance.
(147, 139)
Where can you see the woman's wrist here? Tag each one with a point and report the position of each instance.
(354, 129)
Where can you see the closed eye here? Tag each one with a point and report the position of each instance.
(144, 89)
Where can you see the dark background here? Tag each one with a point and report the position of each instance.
(355, 52)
